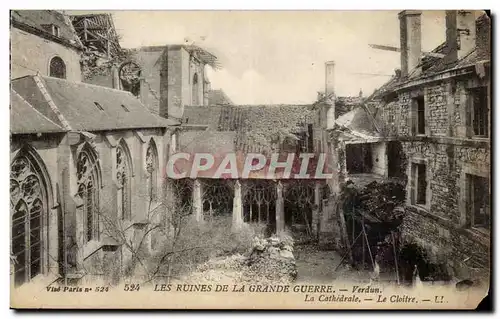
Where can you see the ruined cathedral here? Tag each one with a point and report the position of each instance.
(93, 127)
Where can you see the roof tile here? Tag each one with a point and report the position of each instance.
(80, 105)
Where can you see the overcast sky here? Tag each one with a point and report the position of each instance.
(278, 56)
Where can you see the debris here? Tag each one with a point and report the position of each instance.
(271, 261)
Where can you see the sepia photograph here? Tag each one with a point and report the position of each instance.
(250, 159)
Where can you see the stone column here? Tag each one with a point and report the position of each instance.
(280, 209)
(197, 202)
(315, 212)
(237, 207)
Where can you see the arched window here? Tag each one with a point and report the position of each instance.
(152, 169)
(196, 90)
(57, 68)
(88, 190)
(124, 178)
(28, 204)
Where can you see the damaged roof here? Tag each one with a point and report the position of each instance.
(357, 124)
(432, 65)
(85, 107)
(40, 22)
(25, 119)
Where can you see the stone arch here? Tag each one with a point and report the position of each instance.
(89, 184)
(57, 67)
(30, 200)
(415, 261)
(129, 74)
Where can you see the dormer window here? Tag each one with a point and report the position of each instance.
(52, 29)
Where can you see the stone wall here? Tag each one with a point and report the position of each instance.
(176, 92)
(465, 252)
(150, 63)
(404, 114)
(58, 160)
(436, 98)
(441, 227)
(178, 89)
(31, 54)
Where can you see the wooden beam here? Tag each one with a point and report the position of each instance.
(434, 55)
(396, 49)
(384, 47)
(85, 28)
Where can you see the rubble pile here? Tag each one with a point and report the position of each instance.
(377, 199)
(270, 261)
(378, 207)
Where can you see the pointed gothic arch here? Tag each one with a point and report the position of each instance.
(89, 181)
(124, 174)
(30, 202)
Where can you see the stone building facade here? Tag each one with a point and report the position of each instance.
(168, 77)
(437, 111)
(44, 42)
(86, 166)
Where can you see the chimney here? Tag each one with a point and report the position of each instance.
(460, 34)
(483, 37)
(330, 93)
(410, 35)
(329, 77)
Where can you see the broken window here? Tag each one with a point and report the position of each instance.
(130, 77)
(359, 158)
(57, 68)
(417, 115)
(478, 202)
(418, 184)
(479, 116)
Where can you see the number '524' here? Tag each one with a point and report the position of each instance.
(131, 287)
